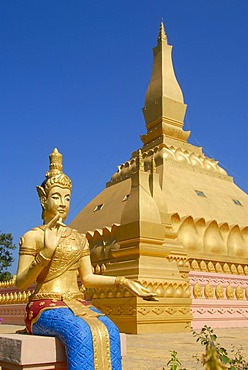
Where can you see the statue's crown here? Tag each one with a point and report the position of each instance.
(56, 167)
(55, 175)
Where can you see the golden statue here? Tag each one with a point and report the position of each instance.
(51, 256)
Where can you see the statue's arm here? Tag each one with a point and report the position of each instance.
(28, 266)
(91, 280)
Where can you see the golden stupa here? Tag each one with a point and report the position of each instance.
(173, 219)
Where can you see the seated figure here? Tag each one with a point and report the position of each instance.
(51, 256)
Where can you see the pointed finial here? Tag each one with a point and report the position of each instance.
(162, 35)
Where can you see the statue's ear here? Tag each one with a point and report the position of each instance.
(42, 194)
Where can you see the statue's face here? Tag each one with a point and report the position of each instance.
(57, 201)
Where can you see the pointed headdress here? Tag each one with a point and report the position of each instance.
(55, 175)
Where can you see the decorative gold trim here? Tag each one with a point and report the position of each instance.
(100, 336)
(67, 296)
(163, 289)
(219, 292)
(239, 292)
(27, 251)
(101, 344)
(230, 292)
(209, 291)
(14, 298)
(197, 290)
(85, 252)
(119, 281)
(9, 283)
(42, 260)
(221, 267)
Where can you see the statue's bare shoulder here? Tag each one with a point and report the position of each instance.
(32, 240)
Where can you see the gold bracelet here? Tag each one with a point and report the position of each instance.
(119, 281)
(27, 251)
(42, 260)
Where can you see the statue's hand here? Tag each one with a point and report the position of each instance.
(52, 235)
(137, 289)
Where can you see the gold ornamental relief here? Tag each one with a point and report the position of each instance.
(197, 291)
(218, 268)
(219, 292)
(233, 269)
(246, 293)
(14, 298)
(203, 266)
(180, 262)
(143, 310)
(184, 310)
(125, 309)
(169, 291)
(11, 298)
(108, 310)
(230, 292)
(179, 292)
(127, 294)
(171, 310)
(194, 265)
(6, 298)
(209, 291)
(184, 275)
(22, 297)
(240, 270)
(159, 290)
(239, 293)
(158, 310)
(187, 292)
(120, 310)
(186, 263)
(211, 267)
(226, 268)
(246, 270)
(9, 283)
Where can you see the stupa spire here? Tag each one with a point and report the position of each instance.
(162, 34)
(164, 103)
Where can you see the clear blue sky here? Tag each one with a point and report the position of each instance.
(73, 75)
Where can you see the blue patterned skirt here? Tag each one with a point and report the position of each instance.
(80, 341)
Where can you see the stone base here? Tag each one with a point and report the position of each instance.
(35, 352)
(31, 352)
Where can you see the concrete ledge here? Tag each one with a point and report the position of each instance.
(33, 352)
